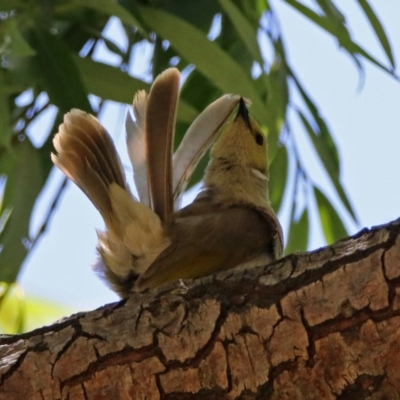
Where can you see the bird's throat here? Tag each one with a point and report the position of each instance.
(236, 184)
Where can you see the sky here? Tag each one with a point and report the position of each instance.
(364, 119)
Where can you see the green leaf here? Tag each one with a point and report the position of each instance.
(59, 73)
(298, 234)
(112, 9)
(197, 92)
(40, 312)
(321, 124)
(10, 5)
(322, 21)
(328, 162)
(198, 173)
(111, 46)
(378, 29)
(5, 214)
(12, 312)
(22, 313)
(208, 57)
(119, 86)
(23, 171)
(355, 48)
(278, 174)
(186, 112)
(108, 82)
(14, 42)
(277, 103)
(197, 13)
(246, 31)
(331, 223)
(324, 145)
(5, 124)
(332, 12)
(337, 28)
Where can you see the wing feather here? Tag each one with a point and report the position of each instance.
(204, 244)
(198, 139)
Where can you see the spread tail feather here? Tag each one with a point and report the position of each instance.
(162, 104)
(136, 144)
(87, 155)
(134, 236)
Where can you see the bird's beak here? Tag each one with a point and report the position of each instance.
(243, 112)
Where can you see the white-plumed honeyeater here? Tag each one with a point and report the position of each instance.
(146, 243)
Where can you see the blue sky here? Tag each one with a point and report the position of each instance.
(366, 126)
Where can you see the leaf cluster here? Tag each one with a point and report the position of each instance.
(49, 65)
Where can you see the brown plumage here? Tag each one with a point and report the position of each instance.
(229, 224)
(87, 155)
(231, 221)
(134, 234)
(160, 128)
(200, 244)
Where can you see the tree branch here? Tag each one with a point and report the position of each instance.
(323, 324)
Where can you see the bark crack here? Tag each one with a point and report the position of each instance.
(363, 387)
(311, 342)
(257, 334)
(341, 324)
(39, 347)
(126, 355)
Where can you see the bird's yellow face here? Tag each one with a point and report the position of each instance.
(242, 142)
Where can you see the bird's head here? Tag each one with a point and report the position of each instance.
(242, 143)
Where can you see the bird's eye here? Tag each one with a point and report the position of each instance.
(259, 139)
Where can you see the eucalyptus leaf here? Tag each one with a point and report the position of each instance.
(337, 28)
(193, 45)
(23, 313)
(112, 9)
(332, 12)
(246, 31)
(277, 103)
(24, 180)
(323, 148)
(278, 175)
(15, 42)
(47, 57)
(11, 5)
(58, 72)
(298, 234)
(328, 162)
(108, 82)
(331, 223)
(119, 86)
(329, 156)
(355, 48)
(378, 29)
(5, 118)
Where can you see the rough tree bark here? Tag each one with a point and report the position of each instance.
(318, 325)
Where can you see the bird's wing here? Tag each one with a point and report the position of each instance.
(207, 243)
(270, 217)
(198, 139)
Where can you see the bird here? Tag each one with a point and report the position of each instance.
(147, 241)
